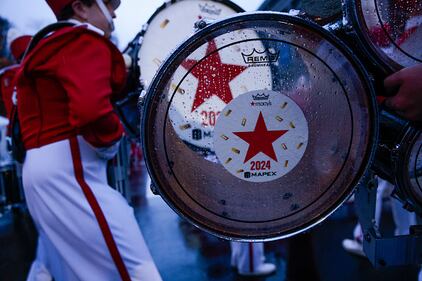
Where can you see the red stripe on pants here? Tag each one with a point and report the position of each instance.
(96, 208)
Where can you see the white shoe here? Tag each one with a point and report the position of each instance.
(353, 246)
(263, 269)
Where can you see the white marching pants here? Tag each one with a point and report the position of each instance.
(87, 230)
(247, 257)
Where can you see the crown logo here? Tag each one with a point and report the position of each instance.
(210, 9)
(260, 97)
(257, 57)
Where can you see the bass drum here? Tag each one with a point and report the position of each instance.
(293, 139)
(389, 32)
(172, 23)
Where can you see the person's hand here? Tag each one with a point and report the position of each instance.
(406, 84)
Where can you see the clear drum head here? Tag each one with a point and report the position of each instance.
(258, 127)
(393, 29)
(171, 25)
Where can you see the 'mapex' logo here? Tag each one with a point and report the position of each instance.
(210, 9)
(249, 175)
(265, 57)
(198, 134)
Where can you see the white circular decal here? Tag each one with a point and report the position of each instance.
(261, 136)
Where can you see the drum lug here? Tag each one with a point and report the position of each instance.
(154, 189)
(395, 152)
(145, 27)
(201, 24)
(294, 12)
(301, 14)
(141, 99)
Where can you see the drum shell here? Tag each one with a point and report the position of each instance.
(407, 177)
(396, 141)
(152, 161)
(392, 132)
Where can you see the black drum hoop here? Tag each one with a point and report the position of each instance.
(200, 38)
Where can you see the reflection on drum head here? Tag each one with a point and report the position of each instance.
(211, 78)
(395, 28)
(293, 105)
(261, 136)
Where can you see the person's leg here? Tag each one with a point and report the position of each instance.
(384, 188)
(90, 226)
(38, 270)
(403, 219)
(235, 249)
(250, 256)
(250, 259)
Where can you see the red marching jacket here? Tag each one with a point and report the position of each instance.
(65, 87)
(7, 83)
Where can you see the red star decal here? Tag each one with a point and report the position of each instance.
(213, 75)
(260, 140)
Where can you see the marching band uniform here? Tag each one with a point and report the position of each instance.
(249, 259)
(7, 74)
(87, 230)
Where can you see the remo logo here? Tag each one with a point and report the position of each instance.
(260, 136)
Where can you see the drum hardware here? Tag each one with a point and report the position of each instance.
(347, 30)
(201, 24)
(397, 154)
(154, 189)
(187, 201)
(118, 169)
(202, 191)
(382, 251)
(141, 99)
(397, 136)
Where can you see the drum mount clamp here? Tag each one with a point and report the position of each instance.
(384, 251)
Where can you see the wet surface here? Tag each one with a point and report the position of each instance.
(183, 252)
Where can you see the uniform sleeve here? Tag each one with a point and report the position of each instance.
(85, 74)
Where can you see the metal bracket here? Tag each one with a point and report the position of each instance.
(381, 251)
